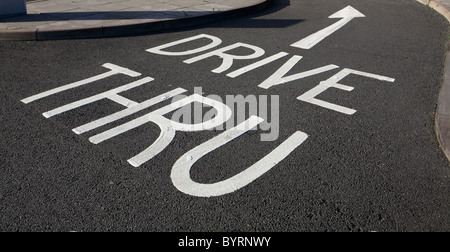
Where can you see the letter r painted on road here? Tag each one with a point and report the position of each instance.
(228, 58)
(127, 112)
(167, 127)
(215, 41)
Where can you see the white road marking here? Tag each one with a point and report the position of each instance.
(256, 65)
(279, 77)
(228, 58)
(126, 112)
(114, 70)
(347, 14)
(310, 96)
(111, 94)
(181, 170)
(159, 49)
(167, 126)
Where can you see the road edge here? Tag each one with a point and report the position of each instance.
(442, 121)
(443, 111)
(131, 29)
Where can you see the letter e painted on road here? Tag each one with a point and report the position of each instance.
(310, 96)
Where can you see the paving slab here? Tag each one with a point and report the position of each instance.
(72, 19)
(443, 110)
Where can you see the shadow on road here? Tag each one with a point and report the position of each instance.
(250, 21)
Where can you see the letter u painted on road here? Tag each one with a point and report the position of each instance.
(181, 170)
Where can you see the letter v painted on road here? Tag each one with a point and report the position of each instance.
(347, 14)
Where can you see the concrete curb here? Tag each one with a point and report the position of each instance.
(443, 111)
(131, 28)
(437, 6)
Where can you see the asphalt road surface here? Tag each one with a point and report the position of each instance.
(351, 97)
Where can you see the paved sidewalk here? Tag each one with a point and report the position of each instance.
(443, 111)
(441, 6)
(91, 18)
(445, 2)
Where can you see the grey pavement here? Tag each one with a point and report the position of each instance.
(441, 6)
(445, 2)
(53, 15)
(379, 170)
(67, 19)
(443, 110)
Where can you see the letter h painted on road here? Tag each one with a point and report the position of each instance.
(181, 170)
(168, 127)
